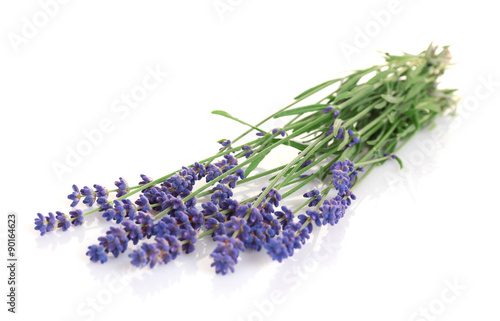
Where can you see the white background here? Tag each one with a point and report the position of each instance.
(412, 234)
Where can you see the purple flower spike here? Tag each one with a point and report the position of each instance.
(76, 217)
(123, 187)
(96, 253)
(226, 254)
(75, 196)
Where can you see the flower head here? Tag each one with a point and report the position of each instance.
(315, 217)
(45, 224)
(189, 236)
(122, 186)
(213, 172)
(101, 191)
(327, 110)
(221, 193)
(277, 248)
(225, 142)
(217, 224)
(146, 222)
(315, 197)
(230, 205)
(89, 194)
(96, 253)
(332, 212)
(115, 241)
(235, 223)
(226, 254)
(143, 202)
(63, 221)
(199, 170)
(133, 231)
(166, 226)
(145, 180)
(75, 196)
(195, 217)
(162, 251)
(76, 217)
(209, 209)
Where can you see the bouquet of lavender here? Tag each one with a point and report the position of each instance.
(370, 114)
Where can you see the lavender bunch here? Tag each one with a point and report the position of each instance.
(361, 123)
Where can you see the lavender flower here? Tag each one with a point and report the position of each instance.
(188, 237)
(327, 110)
(226, 254)
(123, 187)
(146, 222)
(332, 212)
(166, 226)
(89, 194)
(115, 241)
(145, 180)
(164, 250)
(213, 171)
(143, 202)
(315, 217)
(199, 170)
(63, 221)
(221, 193)
(75, 196)
(225, 142)
(101, 191)
(76, 217)
(45, 224)
(209, 209)
(278, 249)
(133, 231)
(315, 197)
(96, 253)
(284, 216)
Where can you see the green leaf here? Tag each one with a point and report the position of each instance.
(392, 99)
(336, 126)
(360, 90)
(313, 135)
(301, 110)
(400, 162)
(253, 165)
(380, 105)
(301, 122)
(379, 75)
(317, 88)
(291, 143)
(414, 118)
(227, 115)
(407, 131)
(417, 71)
(414, 90)
(392, 116)
(429, 105)
(359, 98)
(345, 154)
(353, 79)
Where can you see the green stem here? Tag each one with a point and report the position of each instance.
(249, 179)
(275, 180)
(376, 160)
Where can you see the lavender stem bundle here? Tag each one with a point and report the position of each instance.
(361, 123)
